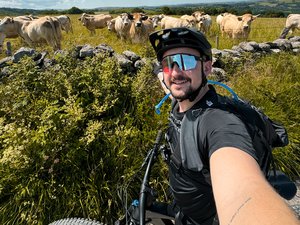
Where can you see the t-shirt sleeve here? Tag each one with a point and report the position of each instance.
(224, 129)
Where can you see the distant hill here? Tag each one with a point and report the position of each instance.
(268, 8)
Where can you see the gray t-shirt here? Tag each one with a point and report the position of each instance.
(198, 140)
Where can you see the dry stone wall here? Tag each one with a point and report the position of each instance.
(130, 62)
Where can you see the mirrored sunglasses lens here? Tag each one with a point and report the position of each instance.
(183, 61)
(189, 62)
(169, 62)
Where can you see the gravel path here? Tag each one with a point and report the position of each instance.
(295, 202)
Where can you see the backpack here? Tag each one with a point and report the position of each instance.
(266, 134)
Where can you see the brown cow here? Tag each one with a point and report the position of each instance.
(45, 29)
(139, 30)
(237, 27)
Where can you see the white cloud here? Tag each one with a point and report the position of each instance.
(11, 3)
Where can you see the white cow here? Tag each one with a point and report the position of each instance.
(95, 22)
(237, 27)
(111, 25)
(292, 23)
(26, 17)
(190, 19)
(65, 23)
(156, 19)
(122, 25)
(198, 15)
(45, 29)
(204, 23)
(219, 18)
(172, 22)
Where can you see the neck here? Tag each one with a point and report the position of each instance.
(187, 104)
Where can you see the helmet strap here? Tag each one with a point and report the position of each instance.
(193, 96)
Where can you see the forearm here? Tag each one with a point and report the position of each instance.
(242, 194)
(256, 204)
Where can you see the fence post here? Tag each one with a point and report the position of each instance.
(217, 42)
(8, 49)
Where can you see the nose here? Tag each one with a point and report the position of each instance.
(176, 69)
(138, 24)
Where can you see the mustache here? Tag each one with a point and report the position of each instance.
(179, 78)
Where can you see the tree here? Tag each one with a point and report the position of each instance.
(74, 10)
(166, 10)
(137, 10)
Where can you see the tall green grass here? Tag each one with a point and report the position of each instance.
(273, 85)
(73, 136)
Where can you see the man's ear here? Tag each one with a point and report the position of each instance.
(207, 67)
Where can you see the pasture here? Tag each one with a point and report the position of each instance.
(262, 30)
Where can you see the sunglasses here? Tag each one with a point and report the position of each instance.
(183, 61)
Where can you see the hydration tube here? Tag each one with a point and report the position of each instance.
(234, 95)
(158, 106)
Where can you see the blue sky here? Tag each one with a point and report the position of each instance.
(89, 4)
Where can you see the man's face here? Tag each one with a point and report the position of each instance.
(182, 71)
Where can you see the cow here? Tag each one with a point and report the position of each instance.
(198, 14)
(219, 19)
(190, 19)
(292, 23)
(204, 23)
(237, 27)
(149, 26)
(65, 23)
(123, 25)
(83, 15)
(139, 31)
(172, 22)
(96, 22)
(111, 25)
(27, 17)
(44, 29)
(156, 19)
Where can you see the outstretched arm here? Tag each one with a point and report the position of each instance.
(242, 194)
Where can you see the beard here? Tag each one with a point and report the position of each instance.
(184, 96)
(187, 93)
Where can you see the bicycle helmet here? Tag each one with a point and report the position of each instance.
(166, 39)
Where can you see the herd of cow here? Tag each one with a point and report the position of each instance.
(134, 27)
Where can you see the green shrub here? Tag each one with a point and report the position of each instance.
(71, 137)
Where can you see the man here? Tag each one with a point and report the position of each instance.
(215, 173)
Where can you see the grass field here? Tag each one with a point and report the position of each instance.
(263, 30)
